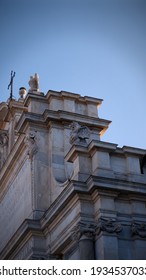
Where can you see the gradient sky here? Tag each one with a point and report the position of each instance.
(91, 47)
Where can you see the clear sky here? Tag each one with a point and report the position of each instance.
(91, 47)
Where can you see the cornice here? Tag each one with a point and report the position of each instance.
(96, 145)
(62, 116)
(133, 151)
(69, 95)
(28, 118)
(69, 117)
(99, 182)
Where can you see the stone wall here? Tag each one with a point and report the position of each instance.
(16, 204)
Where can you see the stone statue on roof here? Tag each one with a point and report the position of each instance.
(34, 83)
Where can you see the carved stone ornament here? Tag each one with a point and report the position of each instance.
(139, 229)
(3, 139)
(34, 83)
(86, 230)
(79, 133)
(31, 144)
(3, 147)
(108, 225)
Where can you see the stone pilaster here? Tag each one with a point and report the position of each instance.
(100, 155)
(83, 233)
(106, 246)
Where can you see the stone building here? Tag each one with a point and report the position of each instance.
(64, 193)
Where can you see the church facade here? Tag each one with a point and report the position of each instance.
(65, 193)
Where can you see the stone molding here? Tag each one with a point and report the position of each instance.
(108, 225)
(139, 229)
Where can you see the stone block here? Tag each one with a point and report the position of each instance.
(118, 164)
(16, 205)
(92, 110)
(126, 250)
(69, 105)
(106, 248)
(133, 165)
(56, 104)
(80, 108)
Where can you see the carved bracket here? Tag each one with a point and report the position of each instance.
(3, 139)
(30, 141)
(83, 230)
(139, 229)
(108, 225)
(3, 147)
(79, 134)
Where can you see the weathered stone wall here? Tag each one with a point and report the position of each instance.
(16, 204)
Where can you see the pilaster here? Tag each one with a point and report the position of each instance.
(83, 233)
(106, 245)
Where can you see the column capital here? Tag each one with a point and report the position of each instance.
(108, 225)
(139, 229)
(83, 231)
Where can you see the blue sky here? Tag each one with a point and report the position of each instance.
(91, 47)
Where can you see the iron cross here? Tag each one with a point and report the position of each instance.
(11, 84)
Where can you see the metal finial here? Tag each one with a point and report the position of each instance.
(11, 84)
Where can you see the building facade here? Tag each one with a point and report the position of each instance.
(64, 193)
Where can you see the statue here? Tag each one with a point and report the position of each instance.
(34, 83)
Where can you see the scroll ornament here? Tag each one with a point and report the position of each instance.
(108, 225)
(83, 230)
(139, 229)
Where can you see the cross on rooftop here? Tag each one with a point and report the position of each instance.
(11, 84)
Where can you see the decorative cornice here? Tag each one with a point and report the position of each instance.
(137, 186)
(97, 145)
(74, 96)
